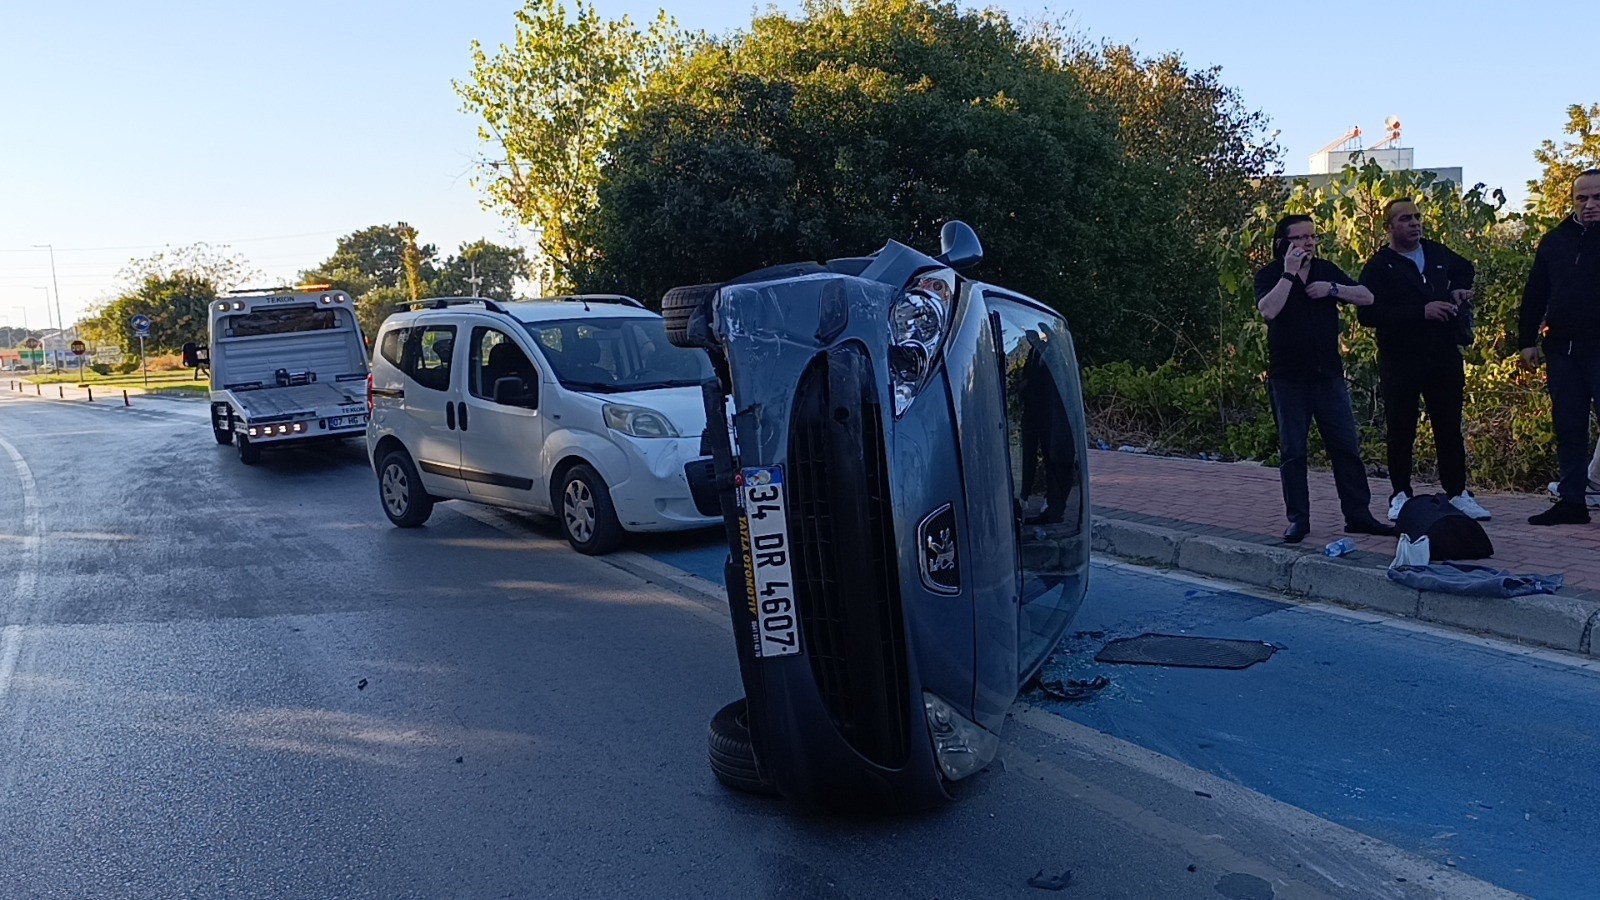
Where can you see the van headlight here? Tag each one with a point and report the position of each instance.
(918, 323)
(636, 421)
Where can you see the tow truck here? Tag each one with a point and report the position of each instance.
(287, 367)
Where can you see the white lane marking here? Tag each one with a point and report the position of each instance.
(32, 542)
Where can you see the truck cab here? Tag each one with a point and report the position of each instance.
(286, 367)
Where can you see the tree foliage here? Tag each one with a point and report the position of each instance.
(173, 288)
(496, 268)
(548, 104)
(374, 257)
(1551, 195)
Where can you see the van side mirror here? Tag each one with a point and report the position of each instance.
(512, 391)
(958, 245)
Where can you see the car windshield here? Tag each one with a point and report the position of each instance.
(613, 355)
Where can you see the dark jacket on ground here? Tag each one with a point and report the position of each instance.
(1563, 288)
(1303, 339)
(1400, 293)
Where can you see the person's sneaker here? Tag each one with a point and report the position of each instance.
(1469, 505)
(1395, 503)
(1561, 514)
(1591, 496)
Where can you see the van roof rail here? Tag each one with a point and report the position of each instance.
(619, 299)
(447, 302)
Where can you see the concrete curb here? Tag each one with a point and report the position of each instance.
(1559, 621)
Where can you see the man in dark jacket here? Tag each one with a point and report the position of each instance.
(1421, 290)
(1299, 296)
(1563, 294)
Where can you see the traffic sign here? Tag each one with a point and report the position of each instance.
(79, 348)
(31, 343)
(141, 326)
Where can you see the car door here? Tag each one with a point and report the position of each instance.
(501, 437)
(434, 391)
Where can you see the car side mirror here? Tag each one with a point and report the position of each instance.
(511, 391)
(959, 247)
(191, 355)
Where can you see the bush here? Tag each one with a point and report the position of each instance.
(100, 368)
(128, 366)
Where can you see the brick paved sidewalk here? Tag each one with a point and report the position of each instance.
(1245, 499)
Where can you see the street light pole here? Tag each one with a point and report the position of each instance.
(60, 322)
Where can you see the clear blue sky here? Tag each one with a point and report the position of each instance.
(274, 128)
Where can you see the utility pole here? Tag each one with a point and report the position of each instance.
(60, 322)
(474, 280)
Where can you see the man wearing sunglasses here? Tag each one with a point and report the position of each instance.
(1299, 296)
(1563, 296)
(1422, 294)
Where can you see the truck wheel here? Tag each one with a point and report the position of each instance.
(587, 517)
(733, 760)
(400, 489)
(223, 437)
(687, 311)
(249, 453)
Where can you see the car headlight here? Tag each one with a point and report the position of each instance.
(918, 323)
(638, 421)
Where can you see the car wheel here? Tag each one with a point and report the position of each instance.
(587, 517)
(400, 490)
(733, 760)
(249, 453)
(687, 314)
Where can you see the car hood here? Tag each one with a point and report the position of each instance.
(682, 406)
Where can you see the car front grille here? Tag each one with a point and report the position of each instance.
(845, 567)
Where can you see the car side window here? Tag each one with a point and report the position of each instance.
(428, 363)
(393, 346)
(495, 356)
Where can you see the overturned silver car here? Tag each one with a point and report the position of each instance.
(905, 495)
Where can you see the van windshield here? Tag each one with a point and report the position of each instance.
(614, 355)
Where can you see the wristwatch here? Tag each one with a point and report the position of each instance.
(1333, 290)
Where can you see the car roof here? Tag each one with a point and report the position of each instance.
(599, 306)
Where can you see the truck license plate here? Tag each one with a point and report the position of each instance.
(769, 584)
(347, 421)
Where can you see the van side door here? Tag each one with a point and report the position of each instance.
(502, 431)
(432, 398)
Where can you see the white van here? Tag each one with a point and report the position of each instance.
(573, 406)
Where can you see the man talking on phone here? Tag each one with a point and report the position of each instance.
(1299, 296)
(1563, 295)
(1422, 293)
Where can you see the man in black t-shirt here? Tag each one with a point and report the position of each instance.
(1299, 296)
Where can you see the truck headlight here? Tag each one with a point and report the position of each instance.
(637, 421)
(918, 323)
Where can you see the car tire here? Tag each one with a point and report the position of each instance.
(733, 759)
(687, 314)
(223, 437)
(583, 504)
(249, 453)
(400, 491)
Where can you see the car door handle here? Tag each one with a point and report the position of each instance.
(450, 416)
(463, 415)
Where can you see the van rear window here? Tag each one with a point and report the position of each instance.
(393, 346)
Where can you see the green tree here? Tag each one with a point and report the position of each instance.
(548, 105)
(373, 257)
(825, 135)
(1551, 195)
(496, 268)
(173, 288)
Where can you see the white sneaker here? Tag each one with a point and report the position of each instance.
(1395, 502)
(1469, 505)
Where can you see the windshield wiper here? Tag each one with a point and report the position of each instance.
(591, 386)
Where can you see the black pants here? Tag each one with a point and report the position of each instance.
(1574, 383)
(1438, 381)
(1327, 401)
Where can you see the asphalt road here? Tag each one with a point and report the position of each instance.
(220, 681)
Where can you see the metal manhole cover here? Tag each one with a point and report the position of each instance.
(1182, 650)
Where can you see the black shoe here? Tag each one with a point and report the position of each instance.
(1296, 533)
(1369, 526)
(1561, 514)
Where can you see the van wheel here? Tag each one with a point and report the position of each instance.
(587, 517)
(400, 491)
(249, 453)
(733, 760)
(223, 437)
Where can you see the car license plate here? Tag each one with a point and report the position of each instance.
(769, 583)
(347, 421)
